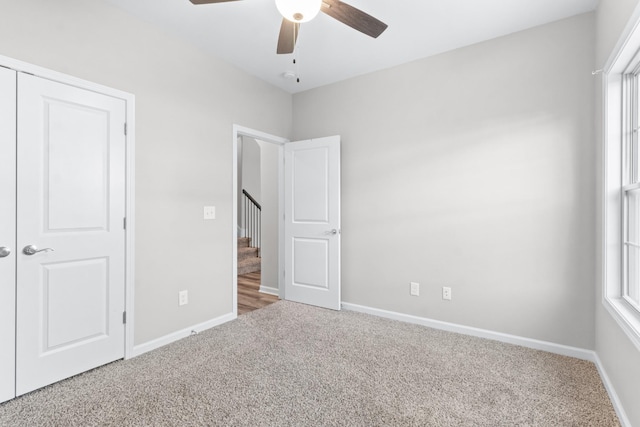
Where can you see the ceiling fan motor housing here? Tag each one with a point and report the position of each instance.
(299, 10)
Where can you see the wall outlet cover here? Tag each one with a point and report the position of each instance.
(415, 289)
(183, 297)
(446, 293)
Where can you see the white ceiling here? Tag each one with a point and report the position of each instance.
(245, 33)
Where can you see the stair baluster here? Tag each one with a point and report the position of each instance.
(252, 221)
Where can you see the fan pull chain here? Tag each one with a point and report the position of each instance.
(296, 33)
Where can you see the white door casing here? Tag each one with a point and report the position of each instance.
(312, 221)
(7, 232)
(71, 198)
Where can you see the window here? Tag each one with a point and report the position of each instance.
(630, 286)
(621, 189)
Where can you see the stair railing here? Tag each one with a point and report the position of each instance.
(252, 220)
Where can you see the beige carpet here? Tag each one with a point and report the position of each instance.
(295, 365)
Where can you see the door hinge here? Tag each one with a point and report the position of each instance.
(124, 223)
(124, 317)
(125, 129)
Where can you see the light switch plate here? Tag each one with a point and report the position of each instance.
(209, 212)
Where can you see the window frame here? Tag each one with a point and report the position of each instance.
(630, 167)
(621, 175)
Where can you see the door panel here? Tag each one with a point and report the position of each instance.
(312, 222)
(310, 185)
(310, 262)
(7, 232)
(71, 199)
(68, 324)
(88, 140)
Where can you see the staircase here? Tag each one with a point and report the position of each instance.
(248, 257)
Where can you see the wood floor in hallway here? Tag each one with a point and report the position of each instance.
(249, 296)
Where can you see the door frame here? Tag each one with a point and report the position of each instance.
(129, 99)
(239, 131)
(8, 264)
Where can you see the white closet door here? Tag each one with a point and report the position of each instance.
(71, 199)
(7, 232)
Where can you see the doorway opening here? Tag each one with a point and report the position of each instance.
(257, 226)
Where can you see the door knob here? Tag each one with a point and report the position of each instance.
(33, 249)
(4, 251)
(334, 231)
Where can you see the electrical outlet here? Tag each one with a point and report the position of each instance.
(183, 297)
(415, 289)
(209, 212)
(446, 293)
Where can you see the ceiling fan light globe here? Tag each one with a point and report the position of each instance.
(299, 10)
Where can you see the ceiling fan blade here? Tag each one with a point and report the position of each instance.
(209, 1)
(288, 36)
(355, 18)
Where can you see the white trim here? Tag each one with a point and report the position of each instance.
(251, 133)
(281, 268)
(612, 178)
(129, 100)
(615, 400)
(130, 250)
(183, 333)
(234, 215)
(564, 350)
(56, 76)
(269, 290)
(578, 353)
(624, 317)
(626, 36)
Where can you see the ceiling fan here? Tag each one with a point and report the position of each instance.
(295, 12)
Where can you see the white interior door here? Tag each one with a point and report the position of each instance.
(71, 199)
(7, 232)
(312, 222)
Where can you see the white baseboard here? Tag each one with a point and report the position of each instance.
(269, 290)
(564, 350)
(178, 335)
(615, 400)
(578, 353)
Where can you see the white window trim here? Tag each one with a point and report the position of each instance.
(624, 313)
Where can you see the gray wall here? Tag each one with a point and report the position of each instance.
(248, 177)
(270, 226)
(472, 169)
(187, 103)
(620, 358)
(251, 167)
